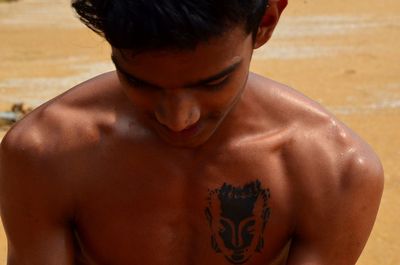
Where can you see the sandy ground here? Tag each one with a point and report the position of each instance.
(344, 55)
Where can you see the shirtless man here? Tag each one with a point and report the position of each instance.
(183, 157)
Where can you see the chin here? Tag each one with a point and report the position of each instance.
(188, 139)
(187, 143)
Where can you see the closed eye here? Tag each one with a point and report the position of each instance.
(210, 86)
(138, 84)
(216, 85)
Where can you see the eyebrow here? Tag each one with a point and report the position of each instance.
(230, 69)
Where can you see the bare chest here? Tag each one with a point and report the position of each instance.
(219, 210)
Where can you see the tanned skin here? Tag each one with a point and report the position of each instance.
(184, 157)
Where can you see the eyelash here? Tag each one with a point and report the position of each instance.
(139, 85)
(217, 86)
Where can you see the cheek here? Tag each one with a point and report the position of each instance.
(224, 99)
(142, 101)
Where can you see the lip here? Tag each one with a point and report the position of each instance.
(187, 133)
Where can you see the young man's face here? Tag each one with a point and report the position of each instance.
(184, 95)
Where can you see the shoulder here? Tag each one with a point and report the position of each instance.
(334, 158)
(337, 184)
(325, 159)
(68, 121)
(317, 136)
(37, 155)
(334, 177)
(331, 154)
(39, 150)
(27, 176)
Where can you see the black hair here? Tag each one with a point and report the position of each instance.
(143, 25)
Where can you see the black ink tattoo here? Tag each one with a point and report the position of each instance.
(237, 217)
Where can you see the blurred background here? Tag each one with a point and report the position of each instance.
(343, 54)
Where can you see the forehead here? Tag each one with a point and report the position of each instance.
(235, 35)
(206, 59)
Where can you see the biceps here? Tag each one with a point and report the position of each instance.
(34, 212)
(333, 239)
(40, 243)
(35, 234)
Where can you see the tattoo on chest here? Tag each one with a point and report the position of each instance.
(237, 217)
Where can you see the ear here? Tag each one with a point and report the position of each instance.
(269, 21)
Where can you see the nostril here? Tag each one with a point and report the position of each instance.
(178, 120)
(173, 123)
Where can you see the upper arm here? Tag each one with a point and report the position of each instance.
(334, 228)
(33, 206)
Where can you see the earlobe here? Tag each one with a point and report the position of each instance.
(263, 35)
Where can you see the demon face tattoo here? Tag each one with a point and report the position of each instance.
(237, 217)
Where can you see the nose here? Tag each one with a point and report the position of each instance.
(177, 111)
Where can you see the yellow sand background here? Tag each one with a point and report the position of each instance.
(344, 54)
